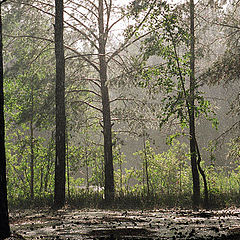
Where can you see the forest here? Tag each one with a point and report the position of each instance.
(119, 119)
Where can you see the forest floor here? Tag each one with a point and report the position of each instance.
(68, 224)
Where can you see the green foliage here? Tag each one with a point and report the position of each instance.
(18, 164)
(168, 172)
(168, 40)
(234, 150)
(169, 176)
(163, 179)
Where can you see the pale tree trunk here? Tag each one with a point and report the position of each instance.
(31, 147)
(191, 111)
(60, 168)
(4, 219)
(107, 126)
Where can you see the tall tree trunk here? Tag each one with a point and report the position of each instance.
(193, 150)
(60, 168)
(4, 219)
(107, 126)
(32, 146)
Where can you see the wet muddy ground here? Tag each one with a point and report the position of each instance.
(109, 224)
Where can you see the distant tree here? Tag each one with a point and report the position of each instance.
(4, 219)
(60, 164)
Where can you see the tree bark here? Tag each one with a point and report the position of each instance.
(60, 168)
(193, 150)
(107, 125)
(206, 202)
(4, 218)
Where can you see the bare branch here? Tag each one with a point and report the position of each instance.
(41, 52)
(52, 41)
(136, 119)
(65, 22)
(85, 55)
(126, 44)
(82, 24)
(227, 131)
(94, 81)
(220, 24)
(226, 25)
(83, 90)
(82, 6)
(114, 23)
(88, 104)
(109, 8)
(29, 36)
(125, 99)
(92, 4)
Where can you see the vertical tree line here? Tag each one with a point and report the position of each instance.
(4, 219)
(194, 149)
(107, 125)
(191, 112)
(60, 165)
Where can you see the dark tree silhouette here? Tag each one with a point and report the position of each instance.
(107, 125)
(4, 219)
(193, 150)
(60, 165)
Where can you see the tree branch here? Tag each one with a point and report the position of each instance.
(83, 90)
(83, 56)
(126, 44)
(65, 22)
(88, 104)
(227, 131)
(88, 9)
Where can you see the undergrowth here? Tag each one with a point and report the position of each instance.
(85, 199)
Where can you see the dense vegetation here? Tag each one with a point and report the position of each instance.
(144, 77)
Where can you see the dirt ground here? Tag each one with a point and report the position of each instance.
(68, 224)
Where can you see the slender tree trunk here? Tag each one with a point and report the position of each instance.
(32, 146)
(146, 164)
(121, 173)
(107, 126)
(206, 203)
(68, 168)
(60, 168)
(193, 150)
(4, 219)
(31, 161)
(87, 169)
(49, 164)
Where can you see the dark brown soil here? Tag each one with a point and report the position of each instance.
(70, 224)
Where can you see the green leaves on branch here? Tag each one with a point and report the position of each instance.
(167, 45)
